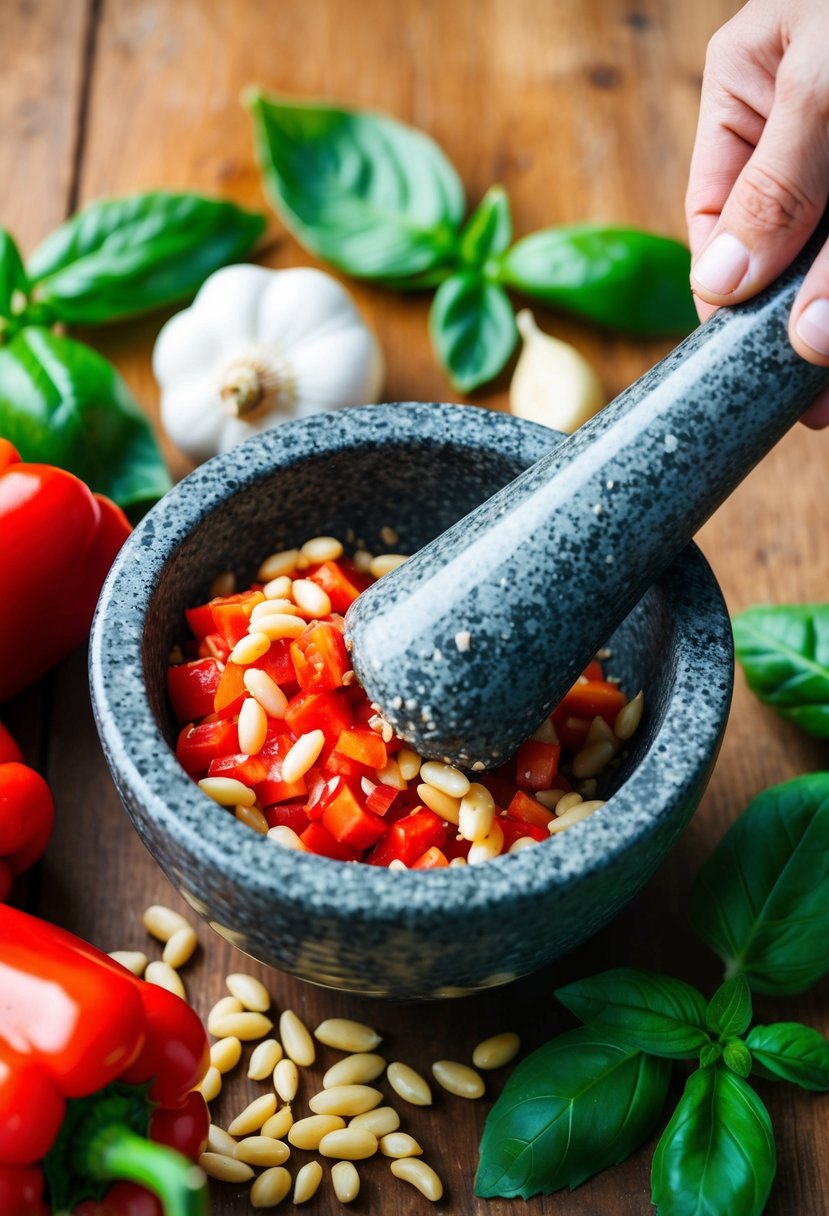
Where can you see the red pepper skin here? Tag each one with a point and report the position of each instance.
(174, 1051)
(123, 1199)
(26, 815)
(21, 1191)
(31, 1110)
(54, 532)
(184, 1129)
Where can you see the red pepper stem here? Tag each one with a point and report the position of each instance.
(116, 1152)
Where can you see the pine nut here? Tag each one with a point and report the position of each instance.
(220, 1141)
(227, 791)
(226, 1053)
(278, 588)
(385, 563)
(310, 598)
(307, 1133)
(343, 1034)
(545, 733)
(380, 1121)
(278, 1126)
(574, 815)
(549, 798)
(390, 774)
(224, 1169)
(592, 759)
(261, 1150)
(211, 1084)
(496, 1051)
(307, 1182)
(629, 717)
(408, 1084)
(457, 862)
(321, 549)
(266, 691)
(270, 1188)
(253, 1116)
(600, 732)
(349, 1144)
(133, 960)
(588, 788)
(280, 626)
(249, 990)
(346, 1181)
(250, 648)
(520, 843)
(277, 564)
(302, 755)
(287, 837)
(162, 922)
(397, 864)
(446, 778)
(458, 1079)
(444, 806)
(246, 1026)
(273, 607)
(356, 1069)
(165, 977)
(409, 763)
(400, 1144)
(477, 813)
(227, 1004)
(345, 1100)
(296, 1038)
(286, 1080)
(253, 818)
(420, 1175)
(567, 803)
(362, 560)
(180, 948)
(252, 727)
(489, 847)
(223, 584)
(264, 1059)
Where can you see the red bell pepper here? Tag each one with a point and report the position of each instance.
(56, 538)
(26, 814)
(320, 658)
(97, 1077)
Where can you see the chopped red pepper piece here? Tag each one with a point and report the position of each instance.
(198, 745)
(409, 838)
(200, 620)
(192, 687)
(231, 614)
(536, 765)
(230, 691)
(319, 657)
(382, 798)
(593, 698)
(342, 590)
(528, 810)
(329, 712)
(317, 839)
(349, 822)
(433, 859)
(362, 745)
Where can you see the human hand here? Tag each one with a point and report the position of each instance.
(759, 179)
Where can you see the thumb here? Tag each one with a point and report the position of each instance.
(776, 201)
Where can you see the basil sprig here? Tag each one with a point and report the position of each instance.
(784, 651)
(62, 403)
(380, 201)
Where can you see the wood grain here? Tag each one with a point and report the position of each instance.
(583, 110)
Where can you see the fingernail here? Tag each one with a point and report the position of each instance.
(813, 326)
(722, 266)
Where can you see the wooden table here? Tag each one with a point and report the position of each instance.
(583, 110)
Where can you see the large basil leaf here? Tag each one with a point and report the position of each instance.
(729, 1010)
(473, 330)
(784, 652)
(716, 1156)
(372, 196)
(125, 257)
(788, 1051)
(61, 403)
(761, 901)
(12, 275)
(488, 231)
(574, 1107)
(653, 1013)
(619, 277)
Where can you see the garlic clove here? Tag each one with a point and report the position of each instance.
(553, 384)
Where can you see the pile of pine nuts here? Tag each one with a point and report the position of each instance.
(348, 1120)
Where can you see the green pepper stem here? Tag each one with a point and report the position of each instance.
(116, 1152)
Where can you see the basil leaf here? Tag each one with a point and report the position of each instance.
(784, 652)
(129, 256)
(761, 901)
(574, 1107)
(717, 1153)
(653, 1013)
(619, 277)
(787, 1051)
(729, 1010)
(737, 1057)
(373, 197)
(488, 230)
(61, 403)
(12, 275)
(473, 330)
(710, 1053)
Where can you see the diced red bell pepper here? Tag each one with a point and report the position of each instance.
(502, 791)
(250, 770)
(288, 814)
(231, 689)
(571, 731)
(320, 658)
(382, 798)
(342, 590)
(198, 745)
(593, 698)
(528, 810)
(409, 838)
(593, 670)
(318, 840)
(432, 859)
(454, 847)
(213, 646)
(364, 745)
(338, 765)
(192, 687)
(329, 712)
(277, 663)
(349, 822)
(515, 829)
(536, 764)
(272, 788)
(231, 614)
(200, 620)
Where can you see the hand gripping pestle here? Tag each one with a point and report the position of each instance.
(474, 640)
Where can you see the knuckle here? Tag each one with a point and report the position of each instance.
(766, 201)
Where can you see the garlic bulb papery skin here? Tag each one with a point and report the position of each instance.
(258, 347)
(553, 383)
